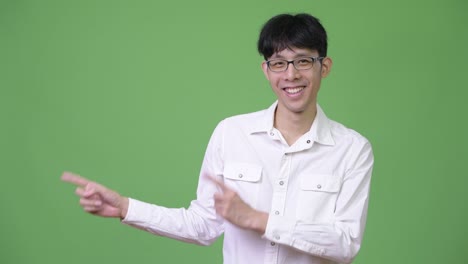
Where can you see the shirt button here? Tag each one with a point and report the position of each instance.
(308, 141)
(277, 237)
(281, 183)
(241, 175)
(272, 134)
(319, 186)
(276, 212)
(272, 244)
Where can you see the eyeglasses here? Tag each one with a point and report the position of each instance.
(303, 63)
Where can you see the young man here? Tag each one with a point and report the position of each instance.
(285, 184)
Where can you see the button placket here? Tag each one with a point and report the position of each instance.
(278, 204)
(280, 187)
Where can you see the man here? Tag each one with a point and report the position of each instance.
(285, 184)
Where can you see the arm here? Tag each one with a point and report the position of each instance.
(198, 224)
(193, 225)
(338, 239)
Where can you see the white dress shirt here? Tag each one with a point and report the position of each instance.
(315, 191)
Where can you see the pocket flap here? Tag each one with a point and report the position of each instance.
(241, 171)
(320, 183)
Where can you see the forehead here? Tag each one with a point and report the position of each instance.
(293, 52)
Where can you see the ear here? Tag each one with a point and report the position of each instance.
(265, 70)
(326, 66)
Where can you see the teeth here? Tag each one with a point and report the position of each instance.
(293, 90)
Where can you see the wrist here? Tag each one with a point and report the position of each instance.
(259, 222)
(123, 207)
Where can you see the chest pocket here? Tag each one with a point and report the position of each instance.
(320, 183)
(244, 178)
(317, 196)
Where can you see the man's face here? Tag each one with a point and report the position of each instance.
(297, 90)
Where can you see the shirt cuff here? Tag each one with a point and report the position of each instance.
(282, 230)
(139, 213)
(279, 229)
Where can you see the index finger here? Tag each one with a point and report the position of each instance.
(74, 179)
(217, 182)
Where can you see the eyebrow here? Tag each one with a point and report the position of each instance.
(297, 55)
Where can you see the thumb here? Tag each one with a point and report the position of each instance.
(93, 188)
(107, 195)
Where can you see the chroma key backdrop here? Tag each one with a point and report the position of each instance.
(127, 93)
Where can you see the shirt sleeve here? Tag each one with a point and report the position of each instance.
(341, 239)
(199, 223)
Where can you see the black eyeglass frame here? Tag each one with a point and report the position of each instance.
(314, 60)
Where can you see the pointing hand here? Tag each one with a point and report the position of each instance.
(97, 199)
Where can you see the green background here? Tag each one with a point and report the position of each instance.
(128, 92)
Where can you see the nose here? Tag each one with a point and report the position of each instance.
(291, 72)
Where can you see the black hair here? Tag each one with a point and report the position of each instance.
(292, 31)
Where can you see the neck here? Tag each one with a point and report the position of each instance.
(293, 125)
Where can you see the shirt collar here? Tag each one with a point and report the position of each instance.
(319, 132)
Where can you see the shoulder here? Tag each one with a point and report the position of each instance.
(247, 117)
(237, 126)
(356, 149)
(247, 120)
(345, 135)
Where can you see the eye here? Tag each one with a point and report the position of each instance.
(277, 63)
(303, 61)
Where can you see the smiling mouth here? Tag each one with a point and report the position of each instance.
(294, 90)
